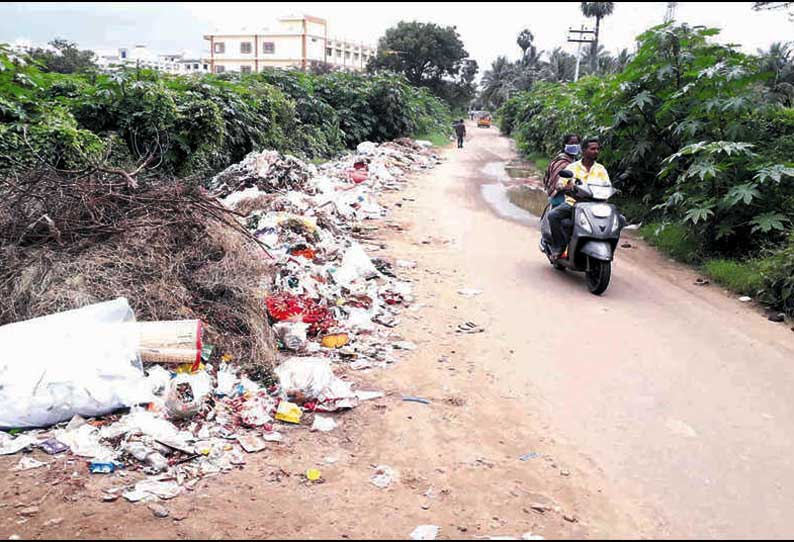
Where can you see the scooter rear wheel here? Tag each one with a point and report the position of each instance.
(598, 276)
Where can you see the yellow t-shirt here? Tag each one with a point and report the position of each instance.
(597, 174)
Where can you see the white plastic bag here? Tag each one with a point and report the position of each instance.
(356, 265)
(73, 362)
(315, 378)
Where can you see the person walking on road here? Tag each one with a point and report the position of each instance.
(460, 131)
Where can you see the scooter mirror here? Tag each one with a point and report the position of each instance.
(565, 174)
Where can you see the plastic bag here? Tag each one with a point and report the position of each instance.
(314, 378)
(356, 265)
(73, 362)
(186, 394)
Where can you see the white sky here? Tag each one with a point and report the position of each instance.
(490, 29)
(487, 29)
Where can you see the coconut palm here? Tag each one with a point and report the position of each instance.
(779, 60)
(561, 66)
(499, 82)
(525, 40)
(598, 10)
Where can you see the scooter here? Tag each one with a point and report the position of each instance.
(592, 234)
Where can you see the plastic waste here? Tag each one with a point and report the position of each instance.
(323, 424)
(383, 477)
(366, 147)
(356, 265)
(152, 489)
(313, 475)
(88, 365)
(154, 459)
(186, 394)
(314, 378)
(292, 334)
(98, 467)
(425, 532)
(288, 412)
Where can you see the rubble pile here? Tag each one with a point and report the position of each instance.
(329, 303)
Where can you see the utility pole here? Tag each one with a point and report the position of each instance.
(579, 37)
(670, 15)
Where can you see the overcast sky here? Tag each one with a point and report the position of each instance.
(488, 29)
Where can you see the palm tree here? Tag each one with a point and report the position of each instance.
(599, 10)
(560, 67)
(623, 59)
(524, 40)
(779, 60)
(499, 82)
(603, 61)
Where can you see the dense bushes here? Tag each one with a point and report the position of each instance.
(198, 124)
(706, 142)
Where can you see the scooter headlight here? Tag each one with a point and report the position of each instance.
(584, 223)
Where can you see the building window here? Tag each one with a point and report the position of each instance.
(220, 48)
(329, 51)
(268, 47)
(220, 69)
(355, 57)
(245, 48)
(347, 55)
(245, 69)
(195, 66)
(314, 40)
(206, 67)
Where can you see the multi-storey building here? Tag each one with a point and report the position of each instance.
(296, 42)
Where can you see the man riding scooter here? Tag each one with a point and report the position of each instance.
(586, 170)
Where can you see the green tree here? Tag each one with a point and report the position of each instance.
(598, 10)
(498, 83)
(66, 58)
(430, 56)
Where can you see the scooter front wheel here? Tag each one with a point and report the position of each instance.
(598, 276)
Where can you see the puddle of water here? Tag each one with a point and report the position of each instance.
(533, 199)
(520, 173)
(496, 195)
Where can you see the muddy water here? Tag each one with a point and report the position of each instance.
(495, 193)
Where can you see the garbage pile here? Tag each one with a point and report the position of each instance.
(151, 398)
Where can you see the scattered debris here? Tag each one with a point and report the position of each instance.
(701, 282)
(412, 399)
(251, 443)
(745, 299)
(530, 455)
(313, 475)
(323, 424)
(425, 532)
(159, 511)
(54, 522)
(28, 463)
(383, 477)
(626, 245)
(327, 301)
(469, 292)
(469, 327)
(777, 317)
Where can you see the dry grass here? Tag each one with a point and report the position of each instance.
(166, 247)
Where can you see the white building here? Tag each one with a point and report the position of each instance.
(141, 56)
(295, 42)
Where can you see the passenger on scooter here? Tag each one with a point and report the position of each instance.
(586, 170)
(570, 149)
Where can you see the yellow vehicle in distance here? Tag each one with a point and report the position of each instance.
(484, 120)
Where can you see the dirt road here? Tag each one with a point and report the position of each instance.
(659, 409)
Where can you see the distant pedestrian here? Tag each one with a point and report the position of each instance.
(460, 131)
